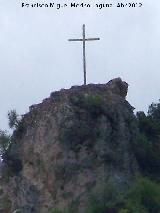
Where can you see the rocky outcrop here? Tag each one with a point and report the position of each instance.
(72, 147)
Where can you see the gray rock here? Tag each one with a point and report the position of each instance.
(74, 145)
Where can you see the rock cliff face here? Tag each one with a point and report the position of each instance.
(75, 145)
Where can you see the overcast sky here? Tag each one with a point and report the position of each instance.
(36, 57)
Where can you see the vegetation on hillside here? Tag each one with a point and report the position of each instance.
(143, 195)
(13, 119)
(147, 147)
(5, 140)
(14, 122)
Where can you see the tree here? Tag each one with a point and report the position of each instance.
(5, 140)
(13, 119)
(147, 147)
(154, 111)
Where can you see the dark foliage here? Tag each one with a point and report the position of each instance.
(5, 141)
(14, 164)
(13, 119)
(147, 147)
(143, 196)
(92, 102)
(81, 133)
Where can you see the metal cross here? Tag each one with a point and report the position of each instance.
(84, 39)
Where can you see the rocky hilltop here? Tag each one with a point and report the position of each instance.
(70, 150)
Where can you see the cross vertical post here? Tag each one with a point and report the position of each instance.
(84, 39)
(84, 55)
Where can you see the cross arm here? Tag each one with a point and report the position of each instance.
(75, 39)
(92, 39)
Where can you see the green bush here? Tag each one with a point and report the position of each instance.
(55, 211)
(108, 201)
(100, 207)
(144, 196)
(147, 147)
(147, 156)
(96, 208)
(91, 102)
(5, 141)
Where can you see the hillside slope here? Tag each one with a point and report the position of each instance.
(74, 146)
